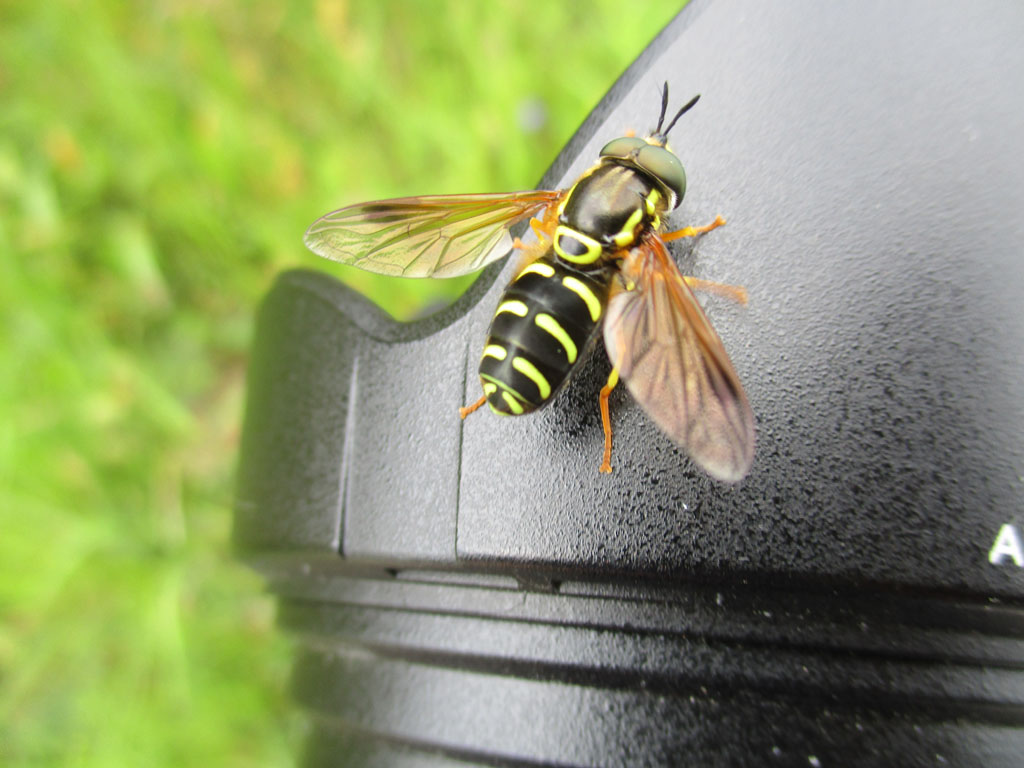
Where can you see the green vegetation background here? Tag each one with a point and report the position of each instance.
(159, 162)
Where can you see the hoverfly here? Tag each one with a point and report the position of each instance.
(600, 260)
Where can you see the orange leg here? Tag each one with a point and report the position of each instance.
(734, 292)
(541, 230)
(693, 231)
(544, 229)
(606, 422)
(465, 411)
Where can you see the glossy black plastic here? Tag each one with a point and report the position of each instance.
(477, 593)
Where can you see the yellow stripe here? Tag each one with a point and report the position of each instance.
(495, 350)
(568, 195)
(530, 371)
(592, 254)
(487, 379)
(552, 326)
(627, 234)
(513, 404)
(515, 307)
(538, 267)
(490, 388)
(651, 201)
(581, 290)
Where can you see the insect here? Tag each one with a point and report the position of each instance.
(600, 261)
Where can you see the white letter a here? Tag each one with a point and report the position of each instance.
(1007, 545)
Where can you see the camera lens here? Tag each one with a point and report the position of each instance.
(476, 591)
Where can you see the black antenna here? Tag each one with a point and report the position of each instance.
(679, 114)
(664, 106)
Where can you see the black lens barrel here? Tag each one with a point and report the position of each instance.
(477, 593)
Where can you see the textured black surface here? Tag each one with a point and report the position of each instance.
(479, 592)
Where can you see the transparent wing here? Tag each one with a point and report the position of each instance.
(433, 236)
(675, 366)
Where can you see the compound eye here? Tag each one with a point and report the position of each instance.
(622, 148)
(665, 167)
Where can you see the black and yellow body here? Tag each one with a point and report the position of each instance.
(606, 211)
(600, 264)
(550, 313)
(543, 327)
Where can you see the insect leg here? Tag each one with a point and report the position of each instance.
(734, 292)
(693, 231)
(466, 410)
(606, 422)
(543, 228)
(543, 234)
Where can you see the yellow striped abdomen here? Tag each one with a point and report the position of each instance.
(542, 327)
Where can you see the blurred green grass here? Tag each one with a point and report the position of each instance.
(159, 162)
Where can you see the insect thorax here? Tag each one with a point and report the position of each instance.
(605, 212)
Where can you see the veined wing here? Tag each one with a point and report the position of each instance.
(431, 236)
(675, 366)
